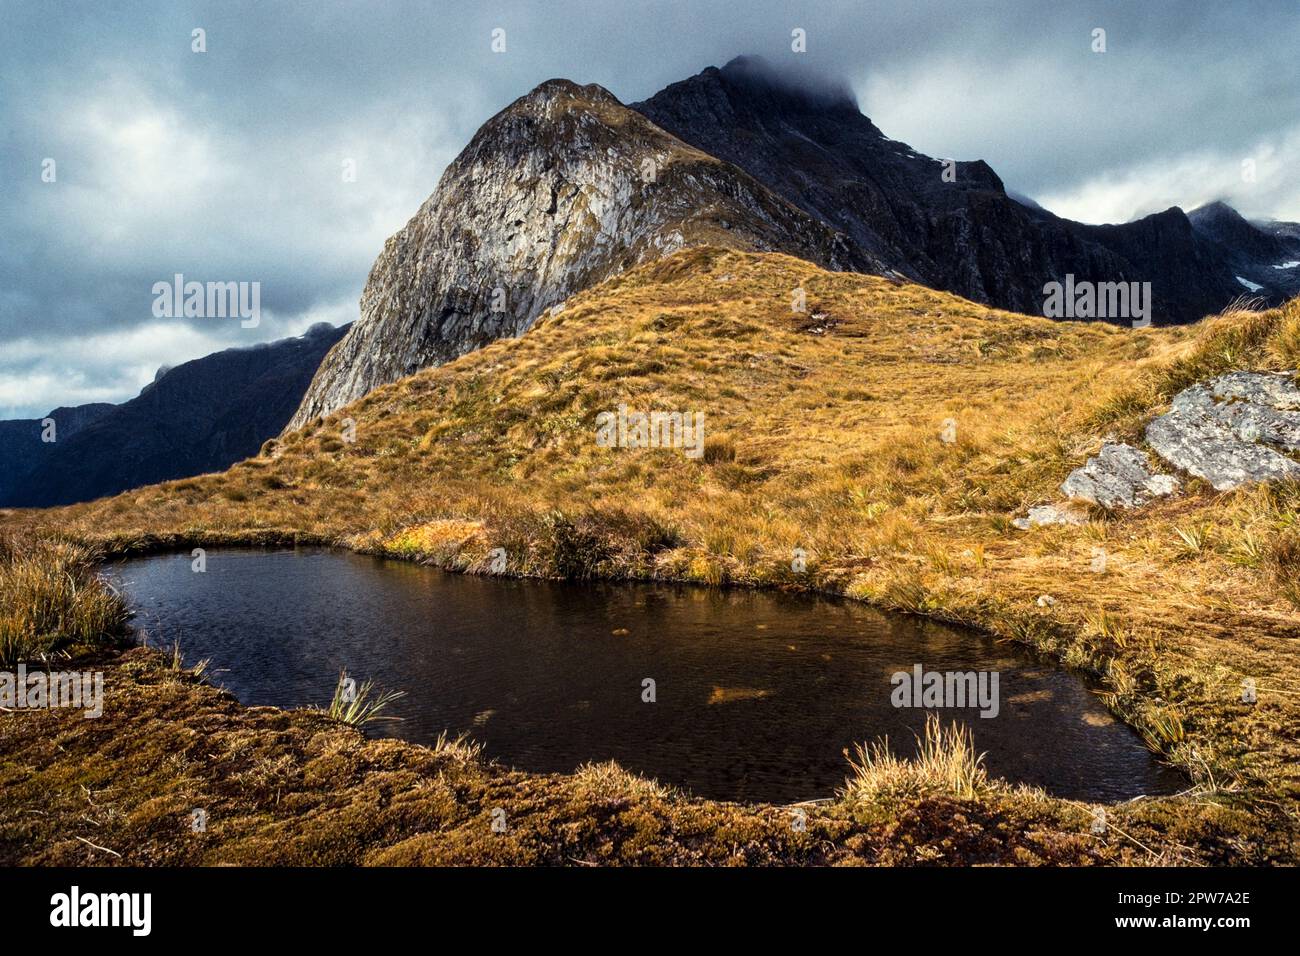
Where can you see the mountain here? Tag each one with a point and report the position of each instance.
(563, 188)
(198, 417)
(21, 448)
(1266, 255)
(809, 142)
(552, 196)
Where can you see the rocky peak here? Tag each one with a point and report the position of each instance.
(563, 188)
(1265, 255)
(960, 232)
(757, 83)
(554, 92)
(1223, 224)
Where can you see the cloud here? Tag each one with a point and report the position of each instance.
(1084, 133)
(227, 165)
(1259, 182)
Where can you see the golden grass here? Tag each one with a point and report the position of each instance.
(824, 439)
(608, 781)
(51, 599)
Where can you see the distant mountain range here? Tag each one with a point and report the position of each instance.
(21, 447)
(201, 416)
(567, 186)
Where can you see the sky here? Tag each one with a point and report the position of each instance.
(229, 164)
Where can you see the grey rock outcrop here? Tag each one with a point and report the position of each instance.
(1119, 476)
(1232, 430)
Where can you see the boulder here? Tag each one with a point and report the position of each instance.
(1120, 476)
(1232, 430)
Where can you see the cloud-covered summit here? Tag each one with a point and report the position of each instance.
(230, 164)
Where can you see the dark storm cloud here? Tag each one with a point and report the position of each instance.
(226, 165)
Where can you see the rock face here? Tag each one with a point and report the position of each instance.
(813, 146)
(1229, 430)
(562, 189)
(198, 417)
(1120, 476)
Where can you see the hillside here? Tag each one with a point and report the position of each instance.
(200, 416)
(823, 432)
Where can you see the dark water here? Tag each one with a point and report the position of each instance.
(758, 694)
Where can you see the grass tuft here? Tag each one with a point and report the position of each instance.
(51, 598)
(946, 764)
(364, 706)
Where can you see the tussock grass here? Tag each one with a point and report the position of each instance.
(945, 764)
(460, 747)
(51, 598)
(608, 781)
(176, 662)
(1193, 539)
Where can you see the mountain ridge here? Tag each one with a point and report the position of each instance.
(548, 198)
(199, 416)
(963, 234)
